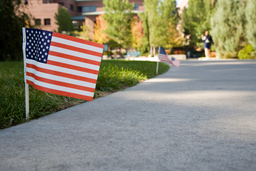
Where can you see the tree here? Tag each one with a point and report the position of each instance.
(99, 27)
(228, 27)
(118, 17)
(13, 18)
(196, 19)
(137, 33)
(159, 16)
(251, 25)
(63, 20)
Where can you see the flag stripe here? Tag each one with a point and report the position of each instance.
(64, 46)
(60, 69)
(58, 92)
(78, 59)
(77, 40)
(61, 74)
(75, 63)
(60, 88)
(74, 53)
(59, 83)
(61, 79)
(76, 44)
(73, 67)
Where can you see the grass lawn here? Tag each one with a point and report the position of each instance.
(114, 75)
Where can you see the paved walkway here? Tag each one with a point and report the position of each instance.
(199, 117)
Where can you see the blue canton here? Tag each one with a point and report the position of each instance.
(38, 44)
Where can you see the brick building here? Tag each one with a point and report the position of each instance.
(80, 10)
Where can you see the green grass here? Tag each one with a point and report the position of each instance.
(114, 75)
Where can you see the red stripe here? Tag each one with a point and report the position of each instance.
(77, 40)
(65, 46)
(62, 55)
(61, 74)
(59, 83)
(58, 92)
(72, 67)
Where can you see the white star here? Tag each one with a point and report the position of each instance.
(43, 49)
(29, 53)
(44, 43)
(46, 37)
(43, 33)
(45, 54)
(32, 37)
(29, 47)
(48, 41)
(47, 47)
(42, 39)
(49, 34)
(32, 44)
(32, 31)
(44, 60)
(36, 32)
(40, 59)
(32, 50)
(30, 40)
(27, 43)
(27, 31)
(41, 36)
(40, 52)
(26, 49)
(27, 37)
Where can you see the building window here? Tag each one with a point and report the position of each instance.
(47, 21)
(71, 7)
(38, 21)
(79, 9)
(89, 9)
(26, 2)
(61, 3)
(136, 7)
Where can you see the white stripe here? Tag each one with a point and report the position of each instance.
(62, 79)
(61, 69)
(74, 53)
(60, 88)
(72, 62)
(76, 44)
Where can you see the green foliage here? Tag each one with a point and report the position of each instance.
(246, 52)
(251, 24)
(114, 75)
(196, 19)
(118, 17)
(12, 20)
(158, 16)
(228, 27)
(63, 20)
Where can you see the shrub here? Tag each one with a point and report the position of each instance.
(245, 53)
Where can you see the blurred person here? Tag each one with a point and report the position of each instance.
(207, 39)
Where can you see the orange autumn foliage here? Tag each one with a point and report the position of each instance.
(99, 27)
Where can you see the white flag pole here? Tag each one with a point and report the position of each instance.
(24, 61)
(157, 65)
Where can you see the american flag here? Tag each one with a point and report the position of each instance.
(164, 57)
(61, 64)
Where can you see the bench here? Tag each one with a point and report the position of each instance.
(132, 54)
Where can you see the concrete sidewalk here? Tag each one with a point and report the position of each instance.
(199, 117)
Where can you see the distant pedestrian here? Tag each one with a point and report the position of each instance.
(207, 39)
